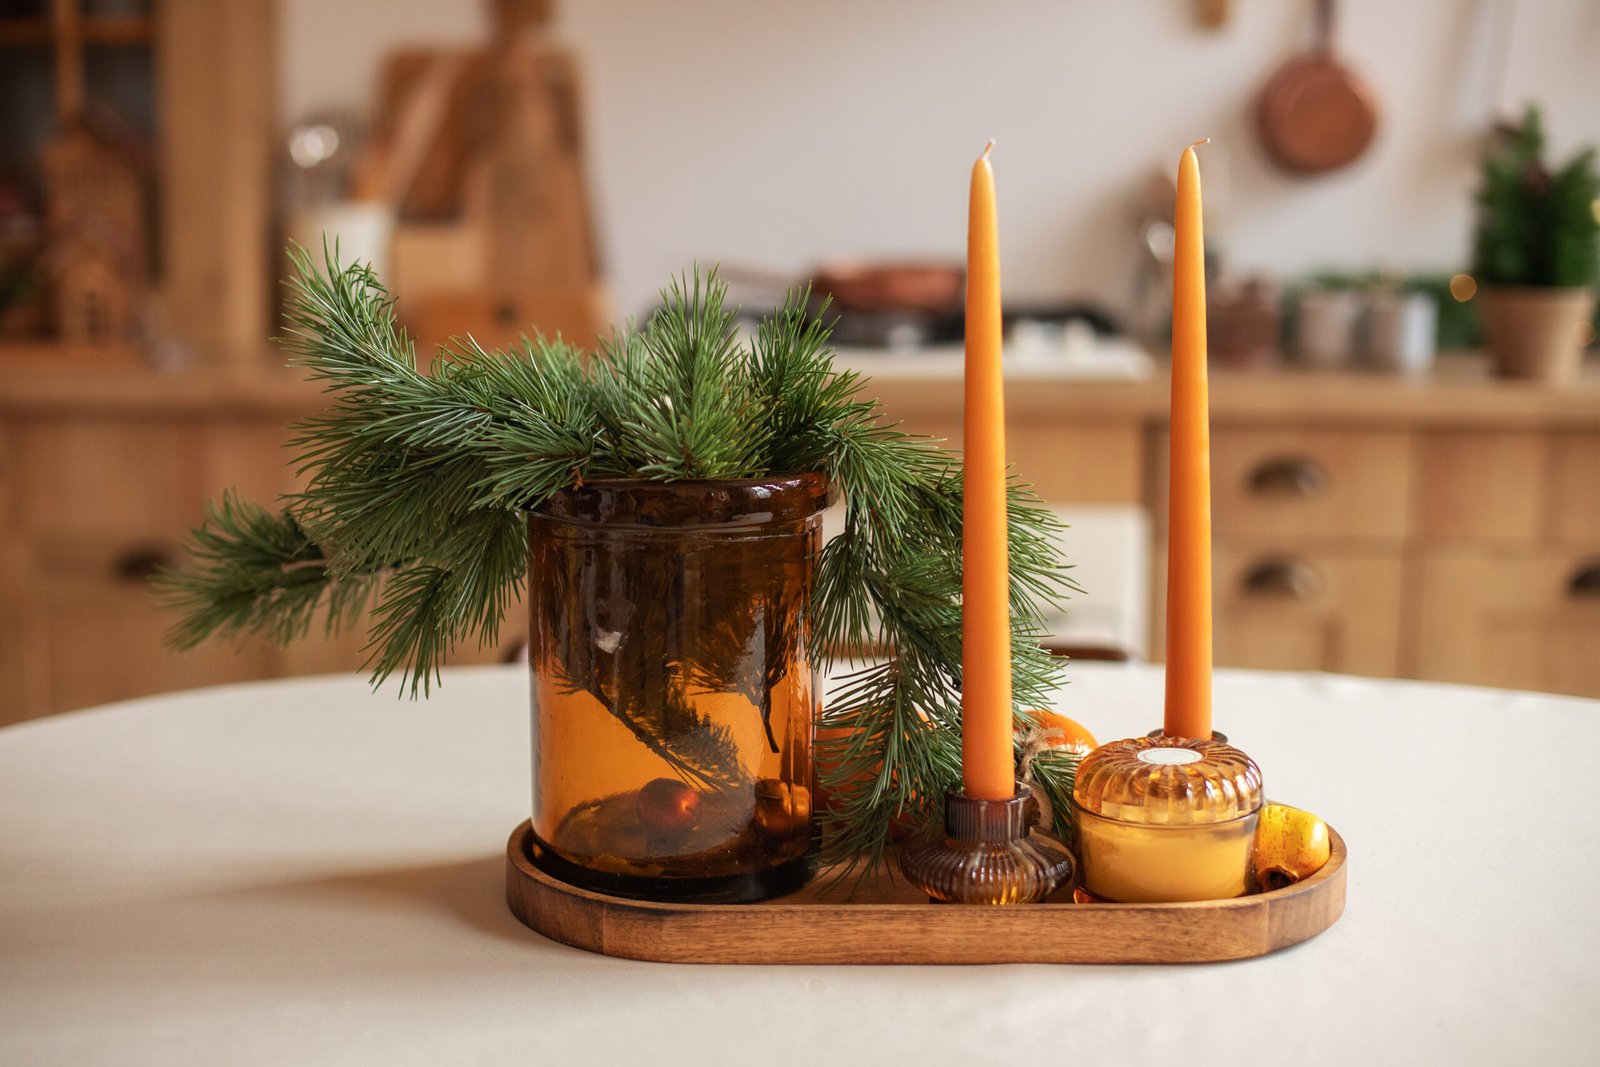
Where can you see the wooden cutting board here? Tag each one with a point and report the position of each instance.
(494, 214)
(1315, 114)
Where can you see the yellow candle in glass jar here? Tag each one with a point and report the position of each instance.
(1166, 819)
(1133, 864)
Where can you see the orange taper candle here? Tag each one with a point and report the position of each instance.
(1189, 498)
(987, 769)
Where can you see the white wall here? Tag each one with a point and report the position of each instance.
(778, 133)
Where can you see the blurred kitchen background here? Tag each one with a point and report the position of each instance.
(1385, 504)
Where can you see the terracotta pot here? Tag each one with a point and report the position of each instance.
(1536, 332)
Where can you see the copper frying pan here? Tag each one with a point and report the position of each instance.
(1315, 115)
(934, 286)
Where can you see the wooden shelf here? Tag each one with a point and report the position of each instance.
(43, 375)
(1460, 392)
(50, 356)
(25, 33)
(133, 389)
(97, 30)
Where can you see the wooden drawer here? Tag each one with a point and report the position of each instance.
(1511, 617)
(126, 560)
(1509, 487)
(1299, 487)
(13, 548)
(1574, 512)
(93, 643)
(251, 458)
(1283, 608)
(108, 477)
(10, 462)
(1481, 486)
(1066, 462)
(24, 669)
(1078, 463)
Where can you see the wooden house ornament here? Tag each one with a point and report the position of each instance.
(97, 255)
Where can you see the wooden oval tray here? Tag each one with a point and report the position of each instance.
(890, 922)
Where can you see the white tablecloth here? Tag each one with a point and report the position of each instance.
(302, 872)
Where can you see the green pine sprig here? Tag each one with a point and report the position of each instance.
(418, 481)
(257, 572)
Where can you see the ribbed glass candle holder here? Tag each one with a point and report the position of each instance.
(988, 855)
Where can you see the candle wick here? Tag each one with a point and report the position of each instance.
(986, 149)
(1192, 144)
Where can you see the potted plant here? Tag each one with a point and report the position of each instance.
(1536, 255)
(661, 498)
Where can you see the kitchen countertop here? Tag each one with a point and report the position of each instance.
(1459, 392)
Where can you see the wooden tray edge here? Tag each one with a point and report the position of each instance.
(787, 932)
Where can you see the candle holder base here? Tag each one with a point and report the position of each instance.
(1216, 735)
(988, 854)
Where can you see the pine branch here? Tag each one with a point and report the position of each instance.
(418, 483)
(676, 398)
(1054, 771)
(256, 572)
(880, 770)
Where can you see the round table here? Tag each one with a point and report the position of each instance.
(306, 872)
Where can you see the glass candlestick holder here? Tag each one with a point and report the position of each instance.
(987, 854)
(1162, 819)
(1216, 735)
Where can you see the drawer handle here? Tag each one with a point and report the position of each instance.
(1288, 579)
(1585, 585)
(1289, 476)
(144, 562)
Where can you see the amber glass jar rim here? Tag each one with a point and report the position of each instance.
(646, 503)
(1251, 814)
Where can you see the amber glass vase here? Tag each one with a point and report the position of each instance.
(673, 694)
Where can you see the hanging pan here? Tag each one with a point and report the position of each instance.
(1315, 115)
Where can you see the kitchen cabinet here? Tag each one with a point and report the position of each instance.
(1299, 485)
(1484, 486)
(100, 482)
(1574, 512)
(1332, 609)
(1512, 616)
(1076, 461)
(1447, 529)
(1508, 592)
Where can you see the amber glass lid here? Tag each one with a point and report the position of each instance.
(1168, 781)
